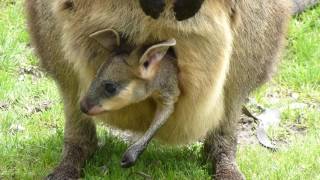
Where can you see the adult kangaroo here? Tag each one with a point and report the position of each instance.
(229, 48)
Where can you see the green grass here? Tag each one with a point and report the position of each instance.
(33, 149)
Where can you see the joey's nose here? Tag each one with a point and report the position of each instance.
(90, 109)
(84, 106)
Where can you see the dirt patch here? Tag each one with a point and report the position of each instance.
(278, 131)
(246, 131)
(4, 106)
(32, 71)
(39, 107)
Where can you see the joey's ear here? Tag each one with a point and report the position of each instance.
(156, 52)
(108, 38)
(152, 56)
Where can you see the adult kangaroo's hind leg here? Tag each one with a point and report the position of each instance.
(80, 139)
(221, 143)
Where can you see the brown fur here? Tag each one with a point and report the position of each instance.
(226, 50)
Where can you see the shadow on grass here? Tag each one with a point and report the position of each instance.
(157, 161)
(35, 158)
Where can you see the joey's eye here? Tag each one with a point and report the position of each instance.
(110, 88)
(146, 64)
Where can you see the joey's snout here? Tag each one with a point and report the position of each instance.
(87, 107)
(102, 96)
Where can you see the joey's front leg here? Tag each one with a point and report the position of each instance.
(152, 8)
(163, 112)
(185, 9)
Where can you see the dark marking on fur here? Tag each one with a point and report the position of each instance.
(152, 8)
(68, 5)
(185, 9)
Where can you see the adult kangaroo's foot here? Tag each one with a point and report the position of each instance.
(80, 144)
(220, 149)
(70, 166)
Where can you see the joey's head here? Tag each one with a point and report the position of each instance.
(124, 77)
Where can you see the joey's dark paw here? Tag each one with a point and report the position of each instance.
(185, 9)
(64, 173)
(152, 8)
(131, 155)
(128, 159)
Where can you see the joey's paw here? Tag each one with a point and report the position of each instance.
(128, 159)
(228, 172)
(152, 8)
(64, 173)
(185, 9)
(131, 155)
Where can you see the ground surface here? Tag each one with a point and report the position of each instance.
(31, 117)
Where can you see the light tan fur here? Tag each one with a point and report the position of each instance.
(121, 100)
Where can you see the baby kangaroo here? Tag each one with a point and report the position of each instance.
(130, 76)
